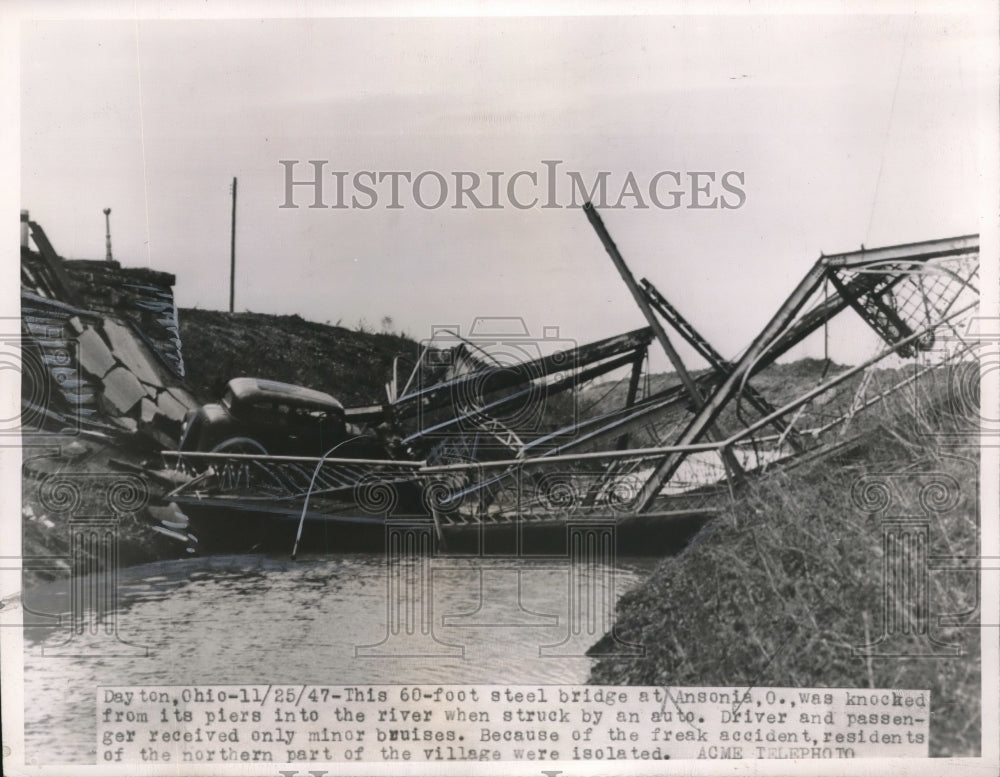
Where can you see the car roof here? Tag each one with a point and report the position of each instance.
(258, 388)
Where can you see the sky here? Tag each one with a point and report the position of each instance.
(845, 129)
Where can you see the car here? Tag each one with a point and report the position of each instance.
(281, 419)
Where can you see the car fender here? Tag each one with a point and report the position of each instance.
(211, 425)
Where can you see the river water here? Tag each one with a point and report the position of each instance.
(336, 620)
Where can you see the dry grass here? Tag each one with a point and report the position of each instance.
(780, 589)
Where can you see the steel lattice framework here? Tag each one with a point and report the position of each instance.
(480, 455)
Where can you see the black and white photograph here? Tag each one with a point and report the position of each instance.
(521, 389)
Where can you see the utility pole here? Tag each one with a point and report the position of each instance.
(232, 253)
(107, 235)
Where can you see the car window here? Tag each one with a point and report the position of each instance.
(282, 413)
(299, 416)
(261, 410)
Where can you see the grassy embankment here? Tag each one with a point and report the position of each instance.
(351, 365)
(781, 588)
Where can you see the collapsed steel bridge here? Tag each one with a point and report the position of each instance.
(494, 441)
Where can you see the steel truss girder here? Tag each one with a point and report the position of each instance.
(441, 394)
(783, 331)
(683, 327)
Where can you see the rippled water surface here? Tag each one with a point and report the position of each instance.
(255, 619)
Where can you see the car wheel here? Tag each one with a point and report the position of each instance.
(240, 445)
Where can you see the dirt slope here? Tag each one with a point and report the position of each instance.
(352, 366)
